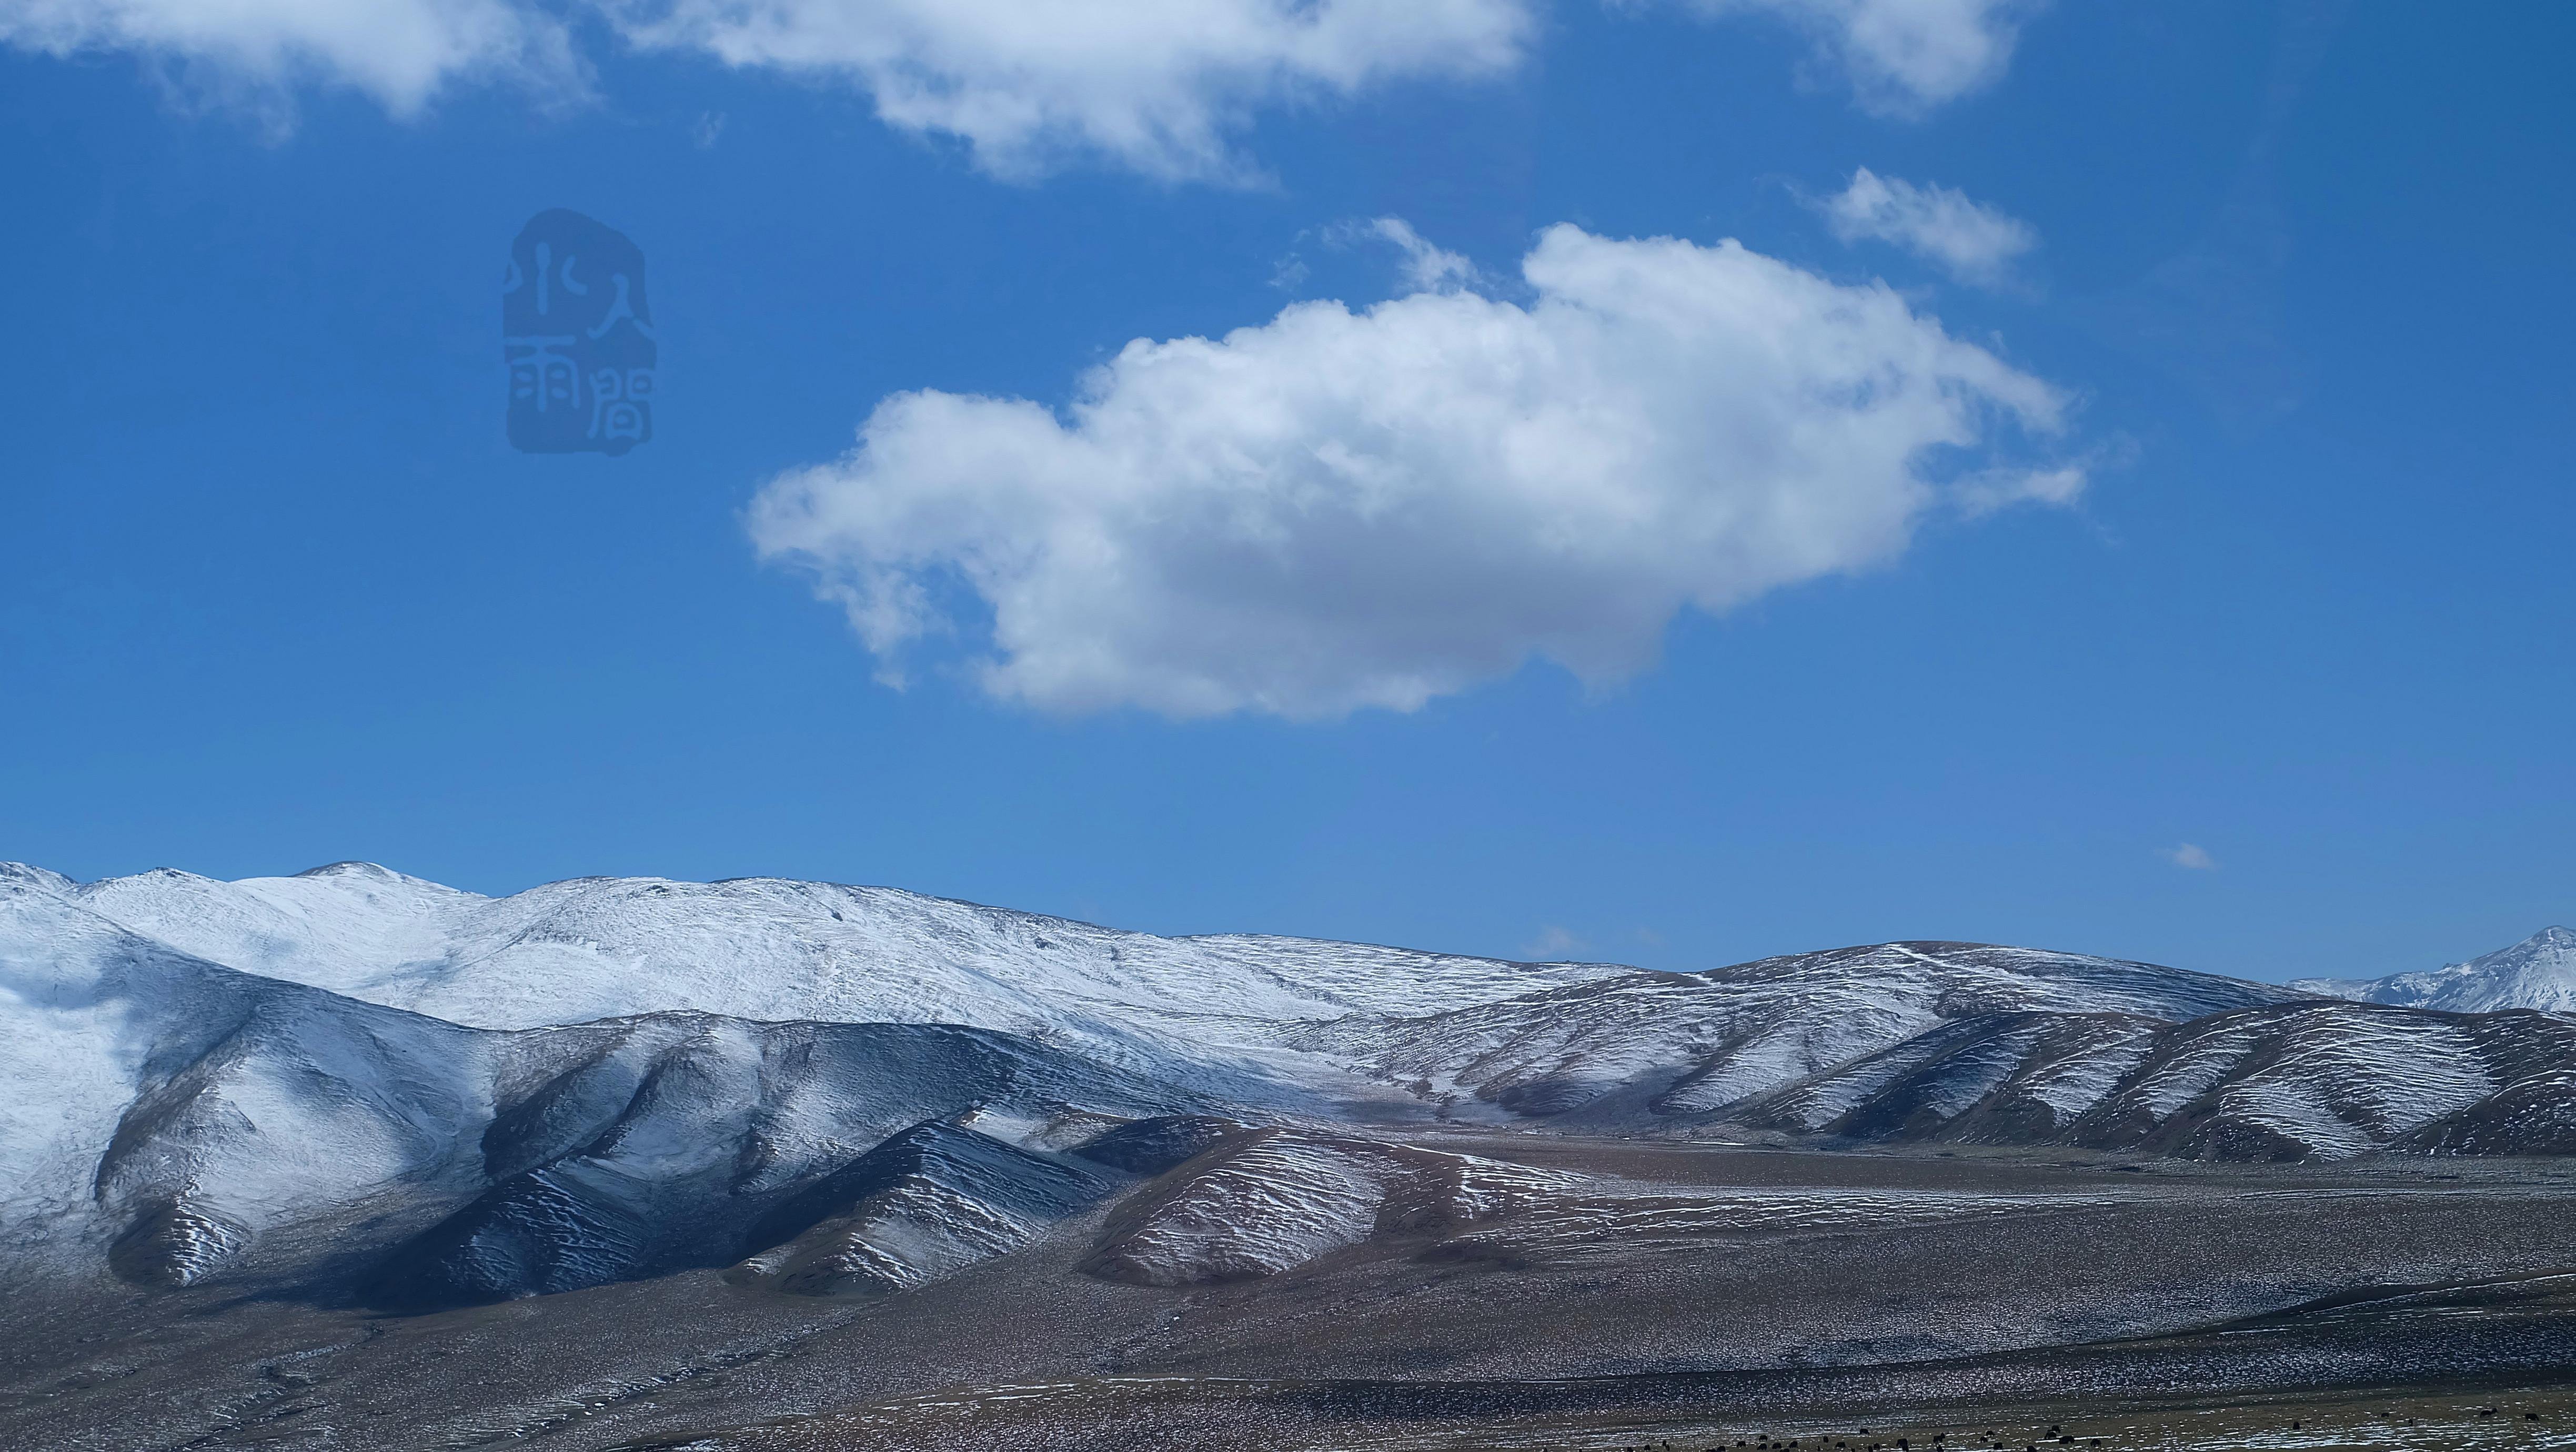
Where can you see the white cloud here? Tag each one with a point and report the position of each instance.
(1422, 266)
(1988, 490)
(1971, 241)
(1338, 510)
(1902, 57)
(1158, 86)
(1426, 268)
(2191, 855)
(401, 52)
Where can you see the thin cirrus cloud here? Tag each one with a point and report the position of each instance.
(2190, 856)
(1971, 241)
(1340, 510)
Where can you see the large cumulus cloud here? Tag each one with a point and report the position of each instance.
(1339, 509)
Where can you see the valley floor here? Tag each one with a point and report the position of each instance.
(1697, 1293)
(2511, 1416)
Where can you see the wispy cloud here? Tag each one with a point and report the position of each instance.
(2190, 855)
(1426, 268)
(1973, 242)
(259, 52)
(1902, 58)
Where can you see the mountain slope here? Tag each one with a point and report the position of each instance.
(2310, 1080)
(1696, 1043)
(1276, 1199)
(924, 1204)
(169, 1114)
(1962, 1043)
(186, 1106)
(645, 1145)
(2538, 972)
(2318, 1080)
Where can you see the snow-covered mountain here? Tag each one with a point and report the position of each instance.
(425, 1097)
(1696, 1043)
(1967, 1043)
(761, 948)
(183, 1106)
(2310, 1080)
(167, 1115)
(2538, 972)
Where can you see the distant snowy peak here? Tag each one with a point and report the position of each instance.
(2538, 972)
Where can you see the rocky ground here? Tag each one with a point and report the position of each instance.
(1649, 1291)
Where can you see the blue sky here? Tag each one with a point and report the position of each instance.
(2171, 449)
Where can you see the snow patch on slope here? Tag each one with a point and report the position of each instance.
(925, 1204)
(1283, 1198)
(2314, 1080)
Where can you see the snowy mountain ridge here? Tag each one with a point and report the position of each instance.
(2538, 972)
(776, 950)
(1696, 1043)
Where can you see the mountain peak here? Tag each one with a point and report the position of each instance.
(352, 869)
(28, 874)
(2538, 972)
